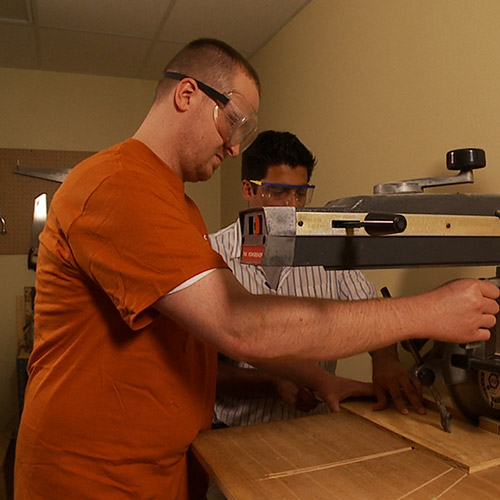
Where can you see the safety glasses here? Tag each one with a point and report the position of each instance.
(281, 193)
(235, 120)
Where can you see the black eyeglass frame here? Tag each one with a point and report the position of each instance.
(209, 91)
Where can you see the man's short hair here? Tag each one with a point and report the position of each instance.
(272, 148)
(212, 61)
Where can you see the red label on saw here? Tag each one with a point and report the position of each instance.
(252, 254)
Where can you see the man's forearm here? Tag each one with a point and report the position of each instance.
(219, 311)
(234, 381)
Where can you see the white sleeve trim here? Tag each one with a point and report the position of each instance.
(190, 281)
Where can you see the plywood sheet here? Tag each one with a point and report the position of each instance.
(469, 447)
(322, 457)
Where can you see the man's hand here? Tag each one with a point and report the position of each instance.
(299, 397)
(461, 311)
(335, 389)
(303, 384)
(329, 388)
(391, 380)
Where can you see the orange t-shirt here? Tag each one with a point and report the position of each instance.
(116, 392)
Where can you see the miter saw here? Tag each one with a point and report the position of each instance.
(401, 226)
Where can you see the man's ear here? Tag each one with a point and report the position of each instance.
(184, 93)
(246, 190)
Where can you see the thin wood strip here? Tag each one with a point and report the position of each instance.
(450, 487)
(423, 485)
(314, 468)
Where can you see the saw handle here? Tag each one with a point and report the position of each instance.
(465, 159)
(375, 224)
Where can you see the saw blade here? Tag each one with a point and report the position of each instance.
(54, 174)
(39, 219)
(489, 384)
(478, 396)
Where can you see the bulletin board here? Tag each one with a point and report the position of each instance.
(17, 192)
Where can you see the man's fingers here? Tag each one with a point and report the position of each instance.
(488, 321)
(490, 306)
(382, 398)
(482, 334)
(398, 400)
(306, 399)
(333, 404)
(413, 397)
(489, 290)
(417, 387)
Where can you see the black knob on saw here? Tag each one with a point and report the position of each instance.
(465, 159)
(380, 224)
(426, 375)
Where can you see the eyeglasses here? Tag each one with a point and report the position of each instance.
(303, 193)
(235, 119)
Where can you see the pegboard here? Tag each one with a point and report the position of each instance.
(18, 192)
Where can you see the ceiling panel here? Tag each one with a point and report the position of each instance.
(134, 18)
(81, 52)
(245, 24)
(130, 38)
(15, 10)
(154, 64)
(18, 47)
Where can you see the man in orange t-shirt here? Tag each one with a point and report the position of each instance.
(112, 381)
(132, 303)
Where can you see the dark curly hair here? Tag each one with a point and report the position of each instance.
(275, 148)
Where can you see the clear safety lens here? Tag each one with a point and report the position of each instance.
(283, 192)
(236, 122)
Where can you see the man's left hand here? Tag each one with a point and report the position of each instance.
(391, 380)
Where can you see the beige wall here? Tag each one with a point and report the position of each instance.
(380, 91)
(47, 110)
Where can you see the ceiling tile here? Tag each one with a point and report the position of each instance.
(131, 38)
(135, 18)
(79, 52)
(157, 59)
(245, 24)
(18, 47)
(15, 10)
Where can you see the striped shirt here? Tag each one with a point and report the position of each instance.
(307, 281)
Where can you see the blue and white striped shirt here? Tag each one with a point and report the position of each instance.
(307, 281)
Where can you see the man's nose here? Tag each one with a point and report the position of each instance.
(292, 200)
(233, 150)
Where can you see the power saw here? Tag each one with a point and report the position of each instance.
(399, 226)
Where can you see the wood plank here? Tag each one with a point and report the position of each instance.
(489, 424)
(467, 446)
(323, 457)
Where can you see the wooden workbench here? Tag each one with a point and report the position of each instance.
(354, 454)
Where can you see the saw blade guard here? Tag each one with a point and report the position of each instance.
(471, 372)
